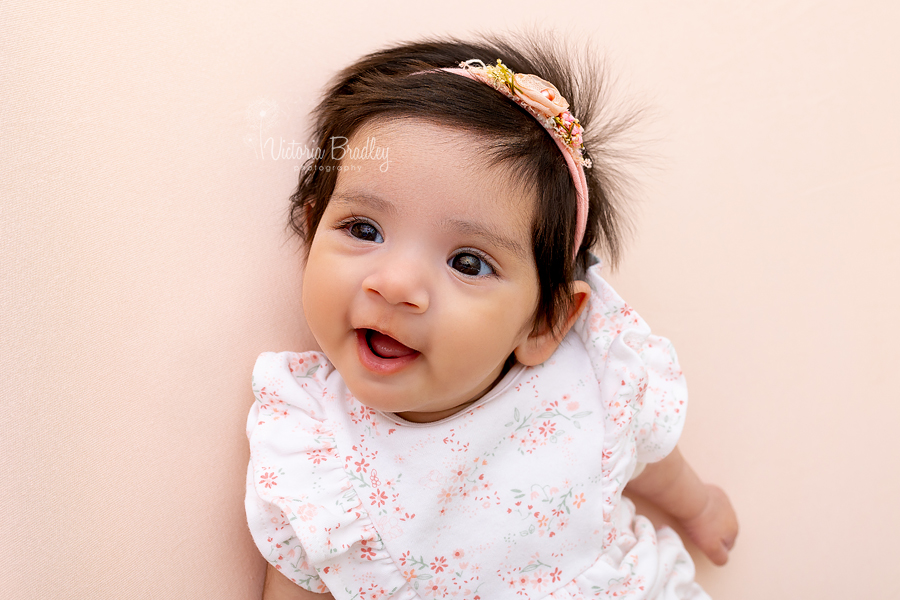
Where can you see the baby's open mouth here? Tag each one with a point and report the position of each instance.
(384, 346)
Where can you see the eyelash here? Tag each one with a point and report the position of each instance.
(480, 256)
(348, 223)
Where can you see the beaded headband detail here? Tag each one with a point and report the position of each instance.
(542, 101)
(538, 97)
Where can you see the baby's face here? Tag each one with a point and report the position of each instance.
(420, 280)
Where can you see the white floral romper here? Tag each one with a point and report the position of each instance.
(518, 496)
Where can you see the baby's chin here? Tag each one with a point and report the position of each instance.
(430, 417)
(414, 413)
(401, 393)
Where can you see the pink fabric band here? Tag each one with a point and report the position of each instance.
(575, 170)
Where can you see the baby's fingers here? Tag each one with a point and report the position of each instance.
(715, 529)
(718, 555)
(715, 548)
(728, 542)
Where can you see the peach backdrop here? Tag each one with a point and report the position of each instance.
(145, 265)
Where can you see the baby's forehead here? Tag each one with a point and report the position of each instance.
(432, 174)
(455, 150)
(424, 131)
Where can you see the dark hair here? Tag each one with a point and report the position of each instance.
(380, 86)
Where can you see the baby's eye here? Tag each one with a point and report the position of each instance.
(470, 264)
(365, 231)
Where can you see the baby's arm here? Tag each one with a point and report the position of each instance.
(703, 509)
(279, 587)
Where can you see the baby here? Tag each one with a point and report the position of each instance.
(483, 396)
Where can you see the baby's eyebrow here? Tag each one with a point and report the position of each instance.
(373, 202)
(491, 237)
(459, 226)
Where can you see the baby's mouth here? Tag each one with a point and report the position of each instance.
(384, 346)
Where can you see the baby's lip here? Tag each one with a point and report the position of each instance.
(387, 346)
(382, 353)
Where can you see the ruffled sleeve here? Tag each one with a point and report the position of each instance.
(304, 513)
(284, 429)
(641, 382)
(643, 395)
(660, 418)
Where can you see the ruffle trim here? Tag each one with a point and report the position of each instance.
(327, 523)
(614, 336)
(643, 565)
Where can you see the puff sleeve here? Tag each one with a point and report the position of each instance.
(285, 431)
(641, 383)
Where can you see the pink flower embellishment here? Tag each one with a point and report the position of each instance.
(540, 95)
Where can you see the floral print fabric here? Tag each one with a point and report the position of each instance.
(518, 496)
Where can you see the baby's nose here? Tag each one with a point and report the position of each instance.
(401, 283)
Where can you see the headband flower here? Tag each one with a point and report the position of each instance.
(542, 101)
(538, 97)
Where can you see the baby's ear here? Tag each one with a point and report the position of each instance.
(538, 347)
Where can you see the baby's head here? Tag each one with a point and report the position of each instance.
(429, 271)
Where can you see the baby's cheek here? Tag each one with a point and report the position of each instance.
(486, 340)
(322, 299)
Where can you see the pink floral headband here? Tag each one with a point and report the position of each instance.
(544, 102)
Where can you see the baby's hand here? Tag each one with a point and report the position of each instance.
(715, 528)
